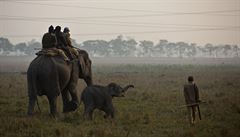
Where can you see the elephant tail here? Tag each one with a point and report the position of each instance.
(81, 100)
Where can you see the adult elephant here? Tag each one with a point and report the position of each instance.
(51, 75)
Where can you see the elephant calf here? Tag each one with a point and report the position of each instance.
(100, 97)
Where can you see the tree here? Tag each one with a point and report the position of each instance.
(193, 50)
(209, 48)
(32, 47)
(147, 47)
(181, 48)
(226, 49)
(21, 47)
(161, 48)
(130, 47)
(236, 50)
(171, 49)
(121, 47)
(5, 44)
(97, 48)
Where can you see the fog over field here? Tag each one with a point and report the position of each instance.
(151, 109)
(21, 63)
(154, 45)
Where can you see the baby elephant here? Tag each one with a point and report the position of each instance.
(100, 97)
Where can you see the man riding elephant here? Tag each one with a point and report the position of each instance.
(62, 43)
(49, 43)
(67, 35)
(49, 39)
(52, 76)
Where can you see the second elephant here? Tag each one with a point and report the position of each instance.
(100, 97)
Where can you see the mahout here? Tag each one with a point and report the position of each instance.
(52, 76)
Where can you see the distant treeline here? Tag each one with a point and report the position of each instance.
(122, 47)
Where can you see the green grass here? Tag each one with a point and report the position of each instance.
(149, 110)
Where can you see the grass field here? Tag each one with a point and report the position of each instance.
(149, 110)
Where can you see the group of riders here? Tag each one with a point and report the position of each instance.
(58, 42)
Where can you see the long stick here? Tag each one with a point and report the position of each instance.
(189, 105)
(199, 112)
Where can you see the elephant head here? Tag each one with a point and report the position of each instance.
(117, 91)
(85, 67)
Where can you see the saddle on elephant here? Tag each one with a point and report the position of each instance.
(74, 51)
(53, 52)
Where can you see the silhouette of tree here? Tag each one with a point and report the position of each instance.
(181, 48)
(130, 47)
(5, 44)
(33, 47)
(159, 49)
(235, 50)
(21, 47)
(146, 48)
(96, 47)
(226, 49)
(192, 50)
(209, 48)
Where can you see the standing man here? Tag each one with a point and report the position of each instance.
(191, 95)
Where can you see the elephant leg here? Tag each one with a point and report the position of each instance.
(108, 112)
(88, 112)
(31, 104)
(66, 100)
(194, 113)
(74, 103)
(111, 110)
(112, 114)
(53, 105)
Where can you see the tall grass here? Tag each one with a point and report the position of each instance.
(149, 110)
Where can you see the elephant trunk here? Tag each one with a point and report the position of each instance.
(128, 86)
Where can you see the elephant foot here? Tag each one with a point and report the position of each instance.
(30, 114)
(105, 116)
(71, 106)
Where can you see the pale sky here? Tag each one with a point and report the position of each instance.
(192, 21)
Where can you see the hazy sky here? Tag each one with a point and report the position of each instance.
(193, 21)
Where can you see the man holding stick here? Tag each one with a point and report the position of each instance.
(191, 95)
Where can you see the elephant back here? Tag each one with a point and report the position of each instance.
(43, 76)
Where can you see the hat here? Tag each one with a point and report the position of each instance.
(66, 29)
(50, 29)
(57, 29)
(190, 78)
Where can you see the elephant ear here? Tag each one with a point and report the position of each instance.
(82, 65)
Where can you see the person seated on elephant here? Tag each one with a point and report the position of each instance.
(49, 43)
(67, 35)
(49, 39)
(61, 42)
(191, 94)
